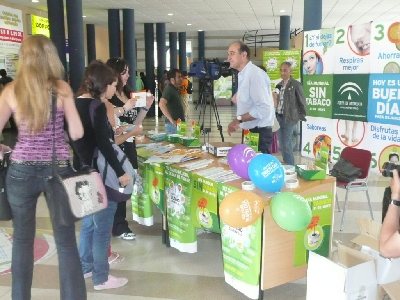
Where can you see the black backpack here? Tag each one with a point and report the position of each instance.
(189, 88)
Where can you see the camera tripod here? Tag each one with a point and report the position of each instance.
(207, 95)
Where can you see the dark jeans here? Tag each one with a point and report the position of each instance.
(265, 138)
(120, 225)
(24, 185)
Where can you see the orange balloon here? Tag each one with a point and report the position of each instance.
(241, 208)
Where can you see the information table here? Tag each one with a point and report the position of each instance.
(256, 257)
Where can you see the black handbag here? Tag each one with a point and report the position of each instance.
(5, 210)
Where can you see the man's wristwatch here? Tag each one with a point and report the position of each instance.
(395, 202)
(239, 118)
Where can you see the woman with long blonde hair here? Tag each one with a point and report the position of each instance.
(29, 99)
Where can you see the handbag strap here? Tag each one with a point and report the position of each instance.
(53, 116)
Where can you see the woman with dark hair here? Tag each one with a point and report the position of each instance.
(99, 84)
(39, 78)
(120, 99)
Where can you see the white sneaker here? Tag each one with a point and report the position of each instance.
(87, 275)
(112, 283)
(128, 236)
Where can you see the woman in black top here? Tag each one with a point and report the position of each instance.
(99, 84)
(121, 97)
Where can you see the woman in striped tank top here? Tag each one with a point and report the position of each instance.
(29, 100)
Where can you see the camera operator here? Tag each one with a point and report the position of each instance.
(255, 107)
(389, 242)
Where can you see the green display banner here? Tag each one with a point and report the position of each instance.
(204, 203)
(178, 192)
(241, 250)
(318, 234)
(142, 208)
(272, 61)
(155, 183)
(350, 94)
(318, 93)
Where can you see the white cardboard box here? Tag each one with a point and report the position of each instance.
(349, 275)
(387, 270)
(220, 149)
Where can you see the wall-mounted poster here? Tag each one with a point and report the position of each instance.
(384, 99)
(272, 61)
(350, 94)
(385, 48)
(11, 35)
(352, 49)
(317, 52)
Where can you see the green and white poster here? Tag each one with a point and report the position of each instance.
(317, 235)
(318, 93)
(350, 94)
(155, 184)
(204, 203)
(241, 250)
(142, 208)
(272, 61)
(178, 193)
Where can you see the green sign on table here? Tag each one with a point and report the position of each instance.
(142, 209)
(317, 236)
(241, 250)
(182, 233)
(204, 203)
(155, 184)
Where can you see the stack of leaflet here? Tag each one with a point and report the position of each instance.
(218, 174)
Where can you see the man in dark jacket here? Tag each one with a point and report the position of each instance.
(290, 106)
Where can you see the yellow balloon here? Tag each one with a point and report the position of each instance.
(241, 208)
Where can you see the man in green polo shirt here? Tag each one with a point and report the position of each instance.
(171, 103)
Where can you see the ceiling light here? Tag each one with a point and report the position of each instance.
(282, 11)
(83, 16)
(35, 1)
(170, 14)
(188, 24)
(200, 30)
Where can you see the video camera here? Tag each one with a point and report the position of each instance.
(210, 69)
(388, 167)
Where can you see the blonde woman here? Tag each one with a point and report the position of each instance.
(29, 99)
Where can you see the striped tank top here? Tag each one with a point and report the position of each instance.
(39, 146)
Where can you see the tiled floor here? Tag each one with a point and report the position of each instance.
(157, 272)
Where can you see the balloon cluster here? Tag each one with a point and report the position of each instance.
(264, 170)
(242, 208)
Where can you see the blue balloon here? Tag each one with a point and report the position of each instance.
(267, 173)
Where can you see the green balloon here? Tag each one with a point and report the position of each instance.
(291, 211)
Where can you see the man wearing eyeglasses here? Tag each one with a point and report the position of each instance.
(255, 107)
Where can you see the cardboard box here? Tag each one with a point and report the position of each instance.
(220, 149)
(393, 290)
(308, 173)
(387, 270)
(348, 275)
